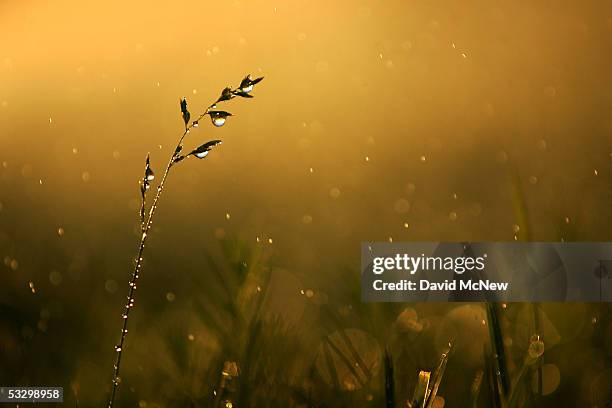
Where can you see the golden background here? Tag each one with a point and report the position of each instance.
(403, 120)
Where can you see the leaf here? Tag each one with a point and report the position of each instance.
(247, 83)
(184, 112)
(226, 94)
(144, 186)
(219, 114)
(437, 377)
(149, 175)
(242, 94)
(202, 151)
(218, 117)
(421, 390)
(389, 380)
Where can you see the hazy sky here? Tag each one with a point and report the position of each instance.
(412, 120)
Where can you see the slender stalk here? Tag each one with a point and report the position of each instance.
(228, 93)
(134, 280)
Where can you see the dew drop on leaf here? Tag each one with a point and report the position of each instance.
(218, 121)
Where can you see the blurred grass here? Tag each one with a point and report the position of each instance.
(227, 338)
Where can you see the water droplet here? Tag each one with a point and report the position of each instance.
(60, 231)
(390, 239)
(191, 337)
(248, 88)
(85, 176)
(218, 121)
(536, 347)
(595, 172)
(55, 277)
(201, 155)
(309, 293)
(195, 124)
(367, 159)
(117, 348)
(32, 288)
(311, 170)
(401, 206)
(170, 297)
(227, 216)
(423, 159)
(75, 150)
(334, 192)
(110, 286)
(270, 240)
(406, 225)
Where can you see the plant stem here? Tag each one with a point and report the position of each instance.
(227, 94)
(134, 280)
(145, 232)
